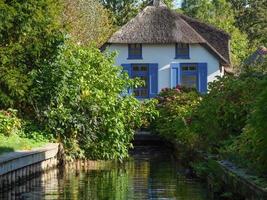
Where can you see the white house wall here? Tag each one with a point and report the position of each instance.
(164, 55)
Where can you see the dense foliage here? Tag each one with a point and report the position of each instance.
(29, 36)
(79, 98)
(60, 85)
(251, 147)
(124, 10)
(176, 107)
(17, 134)
(87, 22)
(229, 121)
(251, 18)
(9, 123)
(220, 14)
(223, 112)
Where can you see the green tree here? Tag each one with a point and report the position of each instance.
(252, 144)
(252, 19)
(80, 99)
(29, 36)
(169, 3)
(124, 10)
(220, 14)
(87, 22)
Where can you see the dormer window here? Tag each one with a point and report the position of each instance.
(182, 51)
(134, 51)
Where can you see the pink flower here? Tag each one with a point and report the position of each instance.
(178, 90)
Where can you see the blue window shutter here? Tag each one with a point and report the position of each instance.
(153, 80)
(203, 77)
(175, 75)
(128, 68)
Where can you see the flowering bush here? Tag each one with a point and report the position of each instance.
(176, 107)
(230, 120)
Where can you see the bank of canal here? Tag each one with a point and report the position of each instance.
(151, 173)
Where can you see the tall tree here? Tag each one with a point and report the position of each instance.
(251, 18)
(220, 14)
(87, 21)
(124, 10)
(29, 36)
(169, 3)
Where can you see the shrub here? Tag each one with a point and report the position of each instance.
(175, 115)
(225, 109)
(30, 35)
(251, 146)
(79, 98)
(31, 130)
(9, 122)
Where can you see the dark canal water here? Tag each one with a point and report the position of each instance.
(150, 174)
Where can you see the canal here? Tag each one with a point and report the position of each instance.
(150, 173)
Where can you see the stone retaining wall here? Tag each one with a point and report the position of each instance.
(226, 177)
(15, 167)
(235, 180)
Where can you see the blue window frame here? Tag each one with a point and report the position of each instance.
(147, 72)
(141, 71)
(134, 51)
(190, 75)
(182, 51)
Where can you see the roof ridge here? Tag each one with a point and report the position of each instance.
(159, 24)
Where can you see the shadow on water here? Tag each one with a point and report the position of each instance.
(5, 149)
(151, 173)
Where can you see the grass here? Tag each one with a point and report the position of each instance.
(15, 142)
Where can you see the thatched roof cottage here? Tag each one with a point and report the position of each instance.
(166, 49)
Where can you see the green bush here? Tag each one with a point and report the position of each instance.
(15, 134)
(75, 93)
(230, 120)
(80, 99)
(31, 130)
(251, 146)
(9, 122)
(223, 112)
(30, 35)
(175, 115)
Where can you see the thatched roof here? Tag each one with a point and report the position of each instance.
(157, 24)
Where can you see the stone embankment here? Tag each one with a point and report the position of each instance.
(17, 166)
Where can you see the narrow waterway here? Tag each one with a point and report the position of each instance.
(151, 173)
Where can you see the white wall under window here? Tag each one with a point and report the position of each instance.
(164, 55)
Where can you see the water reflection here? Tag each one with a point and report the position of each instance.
(151, 174)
